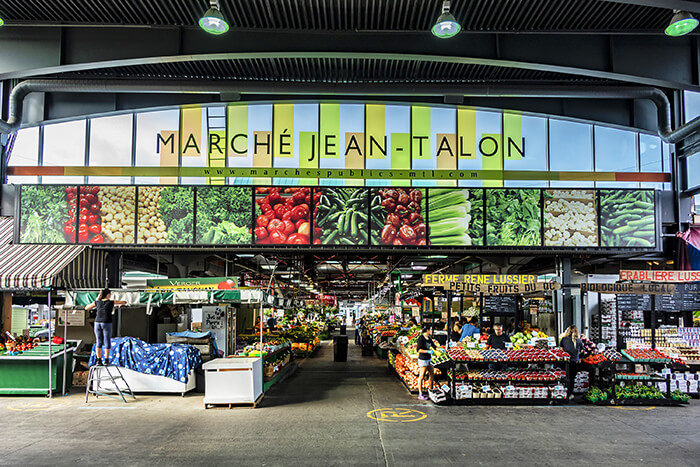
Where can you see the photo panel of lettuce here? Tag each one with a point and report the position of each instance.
(456, 217)
(627, 218)
(341, 216)
(397, 216)
(48, 214)
(513, 217)
(165, 214)
(570, 218)
(224, 215)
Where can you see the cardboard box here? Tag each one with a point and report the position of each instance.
(80, 378)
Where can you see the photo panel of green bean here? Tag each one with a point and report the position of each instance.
(627, 218)
(397, 216)
(513, 217)
(570, 218)
(456, 216)
(341, 216)
(165, 215)
(48, 214)
(224, 215)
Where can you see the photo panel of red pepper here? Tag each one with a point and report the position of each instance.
(282, 216)
(106, 214)
(48, 214)
(340, 216)
(456, 216)
(398, 216)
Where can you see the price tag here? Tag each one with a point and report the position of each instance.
(622, 384)
(477, 336)
(471, 345)
(445, 388)
(486, 388)
(509, 345)
(552, 344)
(482, 345)
(510, 388)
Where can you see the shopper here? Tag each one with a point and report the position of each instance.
(572, 344)
(103, 323)
(425, 346)
(468, 330)
(456, 333)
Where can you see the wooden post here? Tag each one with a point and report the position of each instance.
(6, 312)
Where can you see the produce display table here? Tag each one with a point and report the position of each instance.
(27, 373)
(233, 381)
(143, 383)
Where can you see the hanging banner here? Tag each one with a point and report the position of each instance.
(489, 284)
(195, 283)
(660, 276)
(641, 289)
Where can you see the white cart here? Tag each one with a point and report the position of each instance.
(231, 381)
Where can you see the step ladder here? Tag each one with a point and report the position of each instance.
(113, 375)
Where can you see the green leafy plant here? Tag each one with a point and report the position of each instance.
(224, 215)
(513, 217)
(177, 211)
(44, 212)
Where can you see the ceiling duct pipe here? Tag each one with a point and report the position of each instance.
(665, 129)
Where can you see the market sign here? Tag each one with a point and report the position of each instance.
(660, 276)
(71, 318)
(195, 283)
(627, 288)
(489, 284)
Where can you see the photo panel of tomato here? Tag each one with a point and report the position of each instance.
(282, 216)
(106, 214)
(456, 216)
(398, 216)
(165, 215)
(340, 216)
(224, 215)
(48, 214)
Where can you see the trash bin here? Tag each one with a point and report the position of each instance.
(343, 329)
(340, 348)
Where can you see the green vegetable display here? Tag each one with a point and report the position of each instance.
(627, 218)
(165, 214)
(224, 215)
(44, 214)
(638, 392)
(456, 217)
(513, 217)
(341, 214)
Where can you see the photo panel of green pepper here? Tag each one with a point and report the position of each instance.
(48, 214)
(456, 216)
(513, 217)
(627, 218)
(570, 218)
(224, 215)
(165, 215)
(397, 216)
(340, 216)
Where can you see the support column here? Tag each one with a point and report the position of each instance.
(114, 270)
(6, 312)
(567, 303)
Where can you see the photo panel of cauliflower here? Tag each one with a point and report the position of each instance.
(570, 218)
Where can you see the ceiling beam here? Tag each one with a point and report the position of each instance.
(667, 4)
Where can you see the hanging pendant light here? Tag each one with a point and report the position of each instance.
(682, 23)
(213, 21)
(446, 25)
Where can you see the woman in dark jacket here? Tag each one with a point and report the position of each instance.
(572, 344)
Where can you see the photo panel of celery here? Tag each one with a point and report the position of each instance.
(456, 216)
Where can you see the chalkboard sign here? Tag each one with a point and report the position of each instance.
(669, 303)
(691, 297)
(500, 304)
(631, 302)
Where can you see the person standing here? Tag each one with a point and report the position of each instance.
(103, 323)
(425, 346)
(498, 340)
(468, 330)
(572, 344)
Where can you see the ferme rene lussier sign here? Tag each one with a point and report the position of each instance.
(489, 284)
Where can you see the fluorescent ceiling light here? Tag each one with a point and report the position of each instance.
(419, 267)
(682, 23)
(213, 21)
(446, 25)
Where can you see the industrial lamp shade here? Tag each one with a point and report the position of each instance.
(681, 24)
(213, 22)
(446, 26)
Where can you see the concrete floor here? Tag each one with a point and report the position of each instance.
(319, 417)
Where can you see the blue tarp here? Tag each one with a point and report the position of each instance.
(174, 361)
(198, 335)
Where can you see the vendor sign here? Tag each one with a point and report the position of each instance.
(489, 284)
(660, 276)
(627, 288)
(194, 283)
(71, 317)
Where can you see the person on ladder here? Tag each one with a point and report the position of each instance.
(103, 324)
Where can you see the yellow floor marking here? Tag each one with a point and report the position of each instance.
(396, 415)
